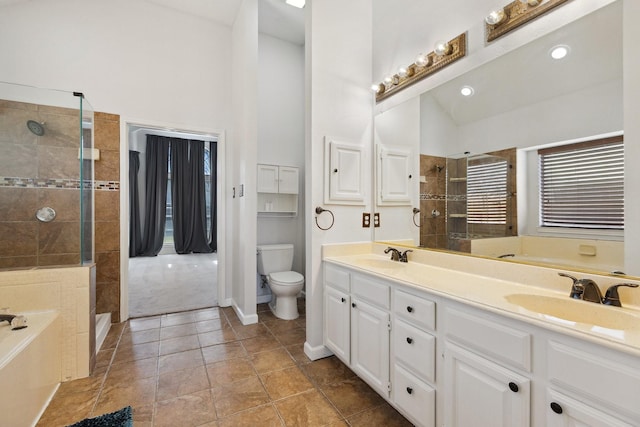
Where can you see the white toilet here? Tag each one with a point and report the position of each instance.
(274, 262)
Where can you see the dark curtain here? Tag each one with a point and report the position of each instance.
(157, 159)
(213, 159)
(135, 233)
(188, 196)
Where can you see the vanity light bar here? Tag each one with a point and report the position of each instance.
(444, 54)
(515, 14)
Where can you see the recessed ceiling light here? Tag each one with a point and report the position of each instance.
(466, 91)
(559, 52)
(296, 3)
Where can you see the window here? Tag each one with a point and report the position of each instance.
(487, 191)
(582, 185)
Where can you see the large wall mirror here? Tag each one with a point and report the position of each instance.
(520, 103)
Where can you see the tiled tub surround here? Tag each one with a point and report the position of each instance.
(484, 283)
(67, 290)
(204, 368)
(29, 367)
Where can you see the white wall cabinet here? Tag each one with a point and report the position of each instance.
(277, 188)
(344, 173)
(394, 176)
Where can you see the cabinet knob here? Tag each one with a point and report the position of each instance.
(555, 407)
(409, 390)
(335, 171)
(513, 387)
(409, 340)
(353, 304)
(409, 308)
(409, 176)
(343, 300)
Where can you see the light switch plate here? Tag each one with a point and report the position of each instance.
(241, 190)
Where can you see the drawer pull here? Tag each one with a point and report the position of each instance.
(555, 407)
(409, 390)
(513, 387)
(409, 340)
(353, 304)
(343, 300)
(409, 308)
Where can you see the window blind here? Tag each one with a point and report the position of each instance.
(487, 193)
(582, 185)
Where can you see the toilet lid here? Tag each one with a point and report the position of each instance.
(286, 277)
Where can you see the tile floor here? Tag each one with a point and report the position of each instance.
(171, 283)
(204, 368)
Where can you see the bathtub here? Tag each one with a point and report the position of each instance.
(30, 367)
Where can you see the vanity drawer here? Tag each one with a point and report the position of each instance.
(371, 289)
(414, 309)
(587, 374)
(415, 349)
(501, 342)
(336, 277)
(415, 398)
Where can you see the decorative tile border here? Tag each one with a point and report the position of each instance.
(427, 196)
(65, 184)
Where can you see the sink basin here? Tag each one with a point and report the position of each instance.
(379, 263)
(577, 311)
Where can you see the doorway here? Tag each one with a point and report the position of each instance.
(171, 282)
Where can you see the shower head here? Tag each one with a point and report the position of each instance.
(35, 127)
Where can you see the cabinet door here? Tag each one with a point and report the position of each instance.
(345, 174)
(267, 179)
(394, 176)
(563, 411)
(288, 180)
(370, 344)
(482, 393)
(337, 319)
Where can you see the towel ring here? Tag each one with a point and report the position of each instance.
(319, 210)
(415, 212)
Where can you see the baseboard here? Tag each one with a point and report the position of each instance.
(228, 302)
(315, 353)
(103, 324)
(245, 319)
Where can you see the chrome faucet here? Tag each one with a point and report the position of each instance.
(584, 289)
(395, 254)
(611, 297)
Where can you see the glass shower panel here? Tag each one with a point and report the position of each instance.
(42, 184)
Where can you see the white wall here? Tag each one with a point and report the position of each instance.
(135, 58)
(281, 132)
(242, 165)
(338, 104)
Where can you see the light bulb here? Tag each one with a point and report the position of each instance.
(376, 87)
(442, 48)
(402, 72)
(423, 60)
(388, 80)
(466, 91)
(530, 2)
(495, 17)
(559, 52)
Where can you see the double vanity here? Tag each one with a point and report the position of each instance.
(463, 341)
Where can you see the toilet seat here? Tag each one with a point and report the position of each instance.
(286, 278)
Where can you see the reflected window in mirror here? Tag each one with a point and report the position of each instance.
(582, 185)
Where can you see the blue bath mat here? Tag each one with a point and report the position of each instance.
(121, 418)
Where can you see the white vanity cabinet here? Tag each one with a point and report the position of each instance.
(486, 363)
(413, 353)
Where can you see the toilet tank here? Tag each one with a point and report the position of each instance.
(274, 258)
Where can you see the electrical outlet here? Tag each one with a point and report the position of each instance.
(366, 220)
(376, 219)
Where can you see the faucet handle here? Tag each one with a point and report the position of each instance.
(395, 254)
(403, 256)
(577, 289)
(611, 297)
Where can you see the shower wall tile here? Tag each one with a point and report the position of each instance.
(108, 299)
(107, 236)
(57, 238)
(18, 204)
(107, 131)
(13, 126)
(14, 263)
(19, 160)
(58, 162)
(107, 206)
(108, 167)
(66, 203)
(18, 239)
(61, 127)
(58, 260)
(107, 267)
